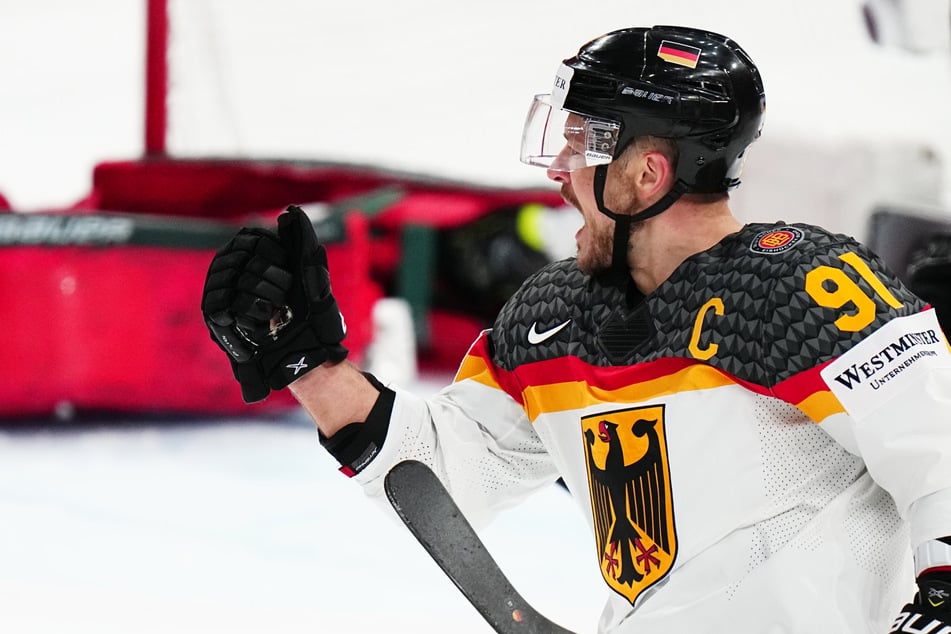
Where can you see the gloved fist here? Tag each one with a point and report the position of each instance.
(267, 302)
(931, 609)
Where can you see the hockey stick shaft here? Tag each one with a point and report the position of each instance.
(430, 513)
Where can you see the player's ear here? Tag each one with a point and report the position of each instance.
(653, 174)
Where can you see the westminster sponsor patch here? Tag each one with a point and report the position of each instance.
(776, 240)
(887, 362)
(631, 501)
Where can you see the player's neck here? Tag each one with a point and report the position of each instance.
(662, 243)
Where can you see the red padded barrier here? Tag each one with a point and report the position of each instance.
(119, 328)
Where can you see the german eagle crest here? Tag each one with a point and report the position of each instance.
(629, 481)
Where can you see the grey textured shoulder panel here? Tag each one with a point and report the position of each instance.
(554, 314)
(745, 298)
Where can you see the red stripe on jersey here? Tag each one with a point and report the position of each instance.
(570, 369)
(801, 386)
(546, 385)
(566, 369)
(478, 361)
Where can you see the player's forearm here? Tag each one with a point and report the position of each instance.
(335, 395)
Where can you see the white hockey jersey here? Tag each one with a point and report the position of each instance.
(684, 423)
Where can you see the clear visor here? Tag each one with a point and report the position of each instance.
(566, 141)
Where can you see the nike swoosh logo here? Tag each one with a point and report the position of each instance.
(535, 337)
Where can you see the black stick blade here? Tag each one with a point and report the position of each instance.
(430, 513)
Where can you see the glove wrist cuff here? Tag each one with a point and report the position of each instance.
(933, 555)
(355, 445)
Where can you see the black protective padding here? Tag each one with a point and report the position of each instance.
(355, 445)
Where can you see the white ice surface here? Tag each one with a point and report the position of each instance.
(231, 525)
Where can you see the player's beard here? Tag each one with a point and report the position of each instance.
(595, 257)
(597, 254)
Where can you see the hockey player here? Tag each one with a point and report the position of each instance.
(755, 420)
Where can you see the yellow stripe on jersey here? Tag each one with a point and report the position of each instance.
(557, 397)
(475, 368)
(820, 405)
(806, 391)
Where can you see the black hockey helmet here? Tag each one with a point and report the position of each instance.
(696, 88)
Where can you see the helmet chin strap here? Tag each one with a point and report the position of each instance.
(624, 222)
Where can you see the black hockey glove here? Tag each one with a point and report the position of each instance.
(932, 605)
(267, 302)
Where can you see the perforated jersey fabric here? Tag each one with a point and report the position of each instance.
(753, 444)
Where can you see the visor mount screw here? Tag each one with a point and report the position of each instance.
(700, 160)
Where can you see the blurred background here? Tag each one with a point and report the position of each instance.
(137, 493)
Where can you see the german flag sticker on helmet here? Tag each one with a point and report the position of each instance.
(677, 53)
